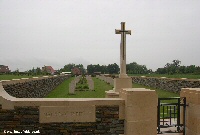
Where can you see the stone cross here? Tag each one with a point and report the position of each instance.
(123, 33)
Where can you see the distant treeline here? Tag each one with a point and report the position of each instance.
(131, 68)
(134, 68)
(176, 68)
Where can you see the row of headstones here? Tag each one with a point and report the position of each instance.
(90, 82)
(73, 83)
(109, 80)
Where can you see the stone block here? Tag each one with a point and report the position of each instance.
(148, 127)
(193, 124)
(193, 110)
(50, 114)
(139, 97)
(120, 83)
(191, 132)
(186, 92)
(112, 94)
(197, 97)
(191, 96)
(141, 113)
(183, 92)
(7, 104)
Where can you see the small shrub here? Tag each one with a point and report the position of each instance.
(85, 87)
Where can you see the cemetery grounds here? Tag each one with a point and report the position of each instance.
(62, 91)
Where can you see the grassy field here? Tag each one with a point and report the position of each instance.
(161, 93)
(62, 90)
(9, 77)
(100, 87)
(189, 76)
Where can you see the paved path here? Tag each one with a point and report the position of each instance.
(170, 128)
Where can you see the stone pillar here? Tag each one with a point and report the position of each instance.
(192, 110)
(140, 111)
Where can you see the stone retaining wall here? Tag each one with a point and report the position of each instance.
(27, 118)
(33, 87)
(168, 84)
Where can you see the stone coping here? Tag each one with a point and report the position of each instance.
(22, 80)
(15, 79)
(8, 102)
(139, 89)
(195, 89)
(165, 78)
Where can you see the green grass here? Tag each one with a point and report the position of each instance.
(62, 91)
(9, 77)
(161, 93)
(189, 76)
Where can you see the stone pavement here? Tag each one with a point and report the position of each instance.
(170, 128)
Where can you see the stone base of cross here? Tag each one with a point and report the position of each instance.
(123, 75)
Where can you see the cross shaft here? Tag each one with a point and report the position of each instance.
(123, 33)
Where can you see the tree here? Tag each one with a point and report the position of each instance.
(38, 71)
(113, 68)
(182, 69)
(90, 69)
(104, 69)
(134, 68)
(190, 69)
(96, 68)
(68, 67)
(170, 68)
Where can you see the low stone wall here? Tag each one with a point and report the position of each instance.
(33, 87)
(129, 114)
(27, 118)
(168, 84)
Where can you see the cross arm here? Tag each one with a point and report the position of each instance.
(128, 32)
(120, 31)
(117, 31)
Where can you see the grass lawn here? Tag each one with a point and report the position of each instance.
(62, 91)
(9, 77)
(189, 76)
(161, 93)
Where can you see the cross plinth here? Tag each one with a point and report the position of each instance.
(123, 33)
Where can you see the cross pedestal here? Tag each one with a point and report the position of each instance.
(123, 81)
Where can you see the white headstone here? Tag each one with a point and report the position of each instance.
(72, 86)
(90, 82)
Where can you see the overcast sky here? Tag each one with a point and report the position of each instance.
(34, 33)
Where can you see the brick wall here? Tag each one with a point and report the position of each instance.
(27, 118)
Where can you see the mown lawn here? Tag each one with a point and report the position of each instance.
(9, 77)
(62, 91)
(161, 93)
(189, 76)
